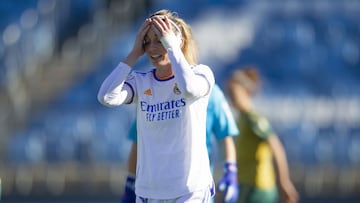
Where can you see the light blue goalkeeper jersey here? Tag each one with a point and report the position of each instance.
(220, 121)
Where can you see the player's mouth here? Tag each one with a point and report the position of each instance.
(156, 57)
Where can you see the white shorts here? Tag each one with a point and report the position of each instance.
(203, 196)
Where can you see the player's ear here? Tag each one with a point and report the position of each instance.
(182, 44)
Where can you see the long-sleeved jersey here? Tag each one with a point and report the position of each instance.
(172, 158)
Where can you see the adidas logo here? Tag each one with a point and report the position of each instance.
(148, 92)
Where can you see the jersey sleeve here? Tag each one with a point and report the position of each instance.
(261, 126)
(131, 83)
(223, 121)
(114, 90)
(193, 81)
(205, 72)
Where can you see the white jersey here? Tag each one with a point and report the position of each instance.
(172, 154)
(172, 157)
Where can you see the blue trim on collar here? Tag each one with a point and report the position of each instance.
(158, 79)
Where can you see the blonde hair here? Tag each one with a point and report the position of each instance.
(189, 47)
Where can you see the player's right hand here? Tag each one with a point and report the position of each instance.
(138, 48)
(129, 192)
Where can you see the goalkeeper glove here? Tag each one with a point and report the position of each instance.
(229, 183)
(129, 192)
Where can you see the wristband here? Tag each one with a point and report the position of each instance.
(230, 166)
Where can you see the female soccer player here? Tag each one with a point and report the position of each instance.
(258, 147)
(172, 160)
(220, 124)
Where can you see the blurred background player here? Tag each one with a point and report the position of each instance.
(221, 124)
(261, 155)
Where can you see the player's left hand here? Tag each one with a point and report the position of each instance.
(163, 28)
(229, 183)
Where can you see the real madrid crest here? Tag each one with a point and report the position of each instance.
(176, 89)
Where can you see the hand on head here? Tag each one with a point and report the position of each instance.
(163, 26)
(138, 48)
